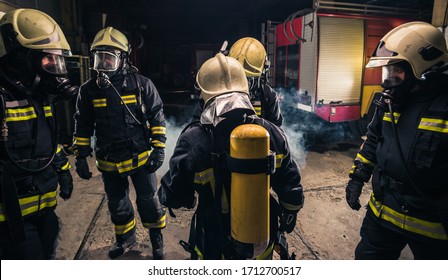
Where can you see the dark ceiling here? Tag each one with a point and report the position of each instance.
(207, 21)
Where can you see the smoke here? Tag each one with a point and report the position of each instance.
(293, 125)
(173, 130)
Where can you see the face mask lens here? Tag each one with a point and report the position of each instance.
(393, 76)
(105, 61)
(54, 64)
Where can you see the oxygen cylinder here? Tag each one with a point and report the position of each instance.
(249, 199)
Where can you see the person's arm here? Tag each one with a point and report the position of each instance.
(273, 113)
(177, 185)
(364, 162)
(155, 115)
(84, 124)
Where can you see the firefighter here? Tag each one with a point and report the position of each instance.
(252, 55)
(33, 77)
(125, 111)
(406, 149)
(198, 164)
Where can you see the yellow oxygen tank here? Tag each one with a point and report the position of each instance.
(249, 197)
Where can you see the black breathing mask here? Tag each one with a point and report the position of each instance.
(102, 80)
(54, 76)
(106, 63)
(398, 80)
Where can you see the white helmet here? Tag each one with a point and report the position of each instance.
(219, 75)
(422, 45)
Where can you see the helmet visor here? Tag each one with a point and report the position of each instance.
(54, 64)
(106, 61)
(382, 56)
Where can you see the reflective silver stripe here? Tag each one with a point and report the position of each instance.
(122, 229)
(81, 141)
(278, 160)
(158, 130)
(32, 204)
(429, 229)
(387, 117)
(290, 206)
(161, 223)
(47, 111)
(21, 114)
(16, 103)
(157, 144)
(438, 125)
(204, 177)
(123, 166)
(129, 99)
(99, 102)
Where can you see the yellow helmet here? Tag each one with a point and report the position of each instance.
(31, 29)
(251, 54)
(110, 37)
(219, 75)
(422, 45)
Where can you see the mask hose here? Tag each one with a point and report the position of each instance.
(106, 79)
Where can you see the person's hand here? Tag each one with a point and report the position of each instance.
(65, 184)
(353, 192)
(82, 168)
(156, 159)
(288, 220)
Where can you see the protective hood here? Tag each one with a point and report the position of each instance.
(216, 111)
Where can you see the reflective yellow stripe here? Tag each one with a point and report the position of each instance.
(21, 114)
(129, 99)
(204, 177)
(32, 204)
(123, 166)
(291, 206)
(257, 110)
(157, 144)
(47, 111)
(363, 159)
(161, 223)
(278, 160)
(409, 223)
(81, 141)
(198, 253)
(267, 255)
(159, 130)
(66, 166)
(438, 125)
(122, 229)
(208, 177)
(99, 102)
(387, 117)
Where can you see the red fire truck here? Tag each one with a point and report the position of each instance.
(319, 57)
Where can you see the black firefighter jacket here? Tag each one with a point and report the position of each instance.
(265, 102)
(31, 142)
(191, 170)
(421, 122)
(122, 145)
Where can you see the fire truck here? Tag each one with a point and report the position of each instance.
(319, 57)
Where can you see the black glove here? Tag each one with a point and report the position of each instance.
(353, 192)
(82, 168)
(65, 184)
(156, 159)
(288, 221)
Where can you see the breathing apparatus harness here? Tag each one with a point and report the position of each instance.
(222, 163)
